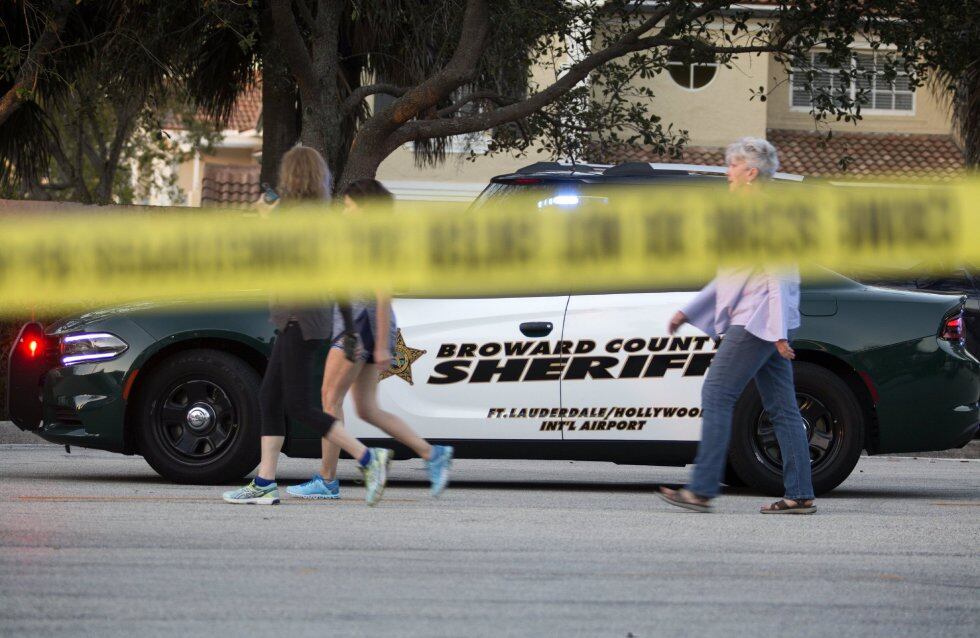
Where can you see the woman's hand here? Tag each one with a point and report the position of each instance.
(678, 320)
(784, 350)
(382, 358)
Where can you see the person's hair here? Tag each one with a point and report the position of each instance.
(757, 153)
(366, 191)
(304, 175)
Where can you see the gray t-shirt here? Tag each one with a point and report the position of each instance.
(315, 320)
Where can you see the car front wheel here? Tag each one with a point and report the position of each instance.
(834, 426)
(199, 417)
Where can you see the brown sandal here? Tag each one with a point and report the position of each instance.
(686, 499)
(783, 507)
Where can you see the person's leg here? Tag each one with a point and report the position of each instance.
(263, 489)
(365, 395)
(775, 382)
(438, 458)
(299, 361)
(338, 376)
(272, 413)
(733, 366)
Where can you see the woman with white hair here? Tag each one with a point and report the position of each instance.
(757, 310)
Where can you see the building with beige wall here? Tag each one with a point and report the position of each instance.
(909, 134)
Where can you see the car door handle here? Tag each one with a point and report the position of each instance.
(537, 328)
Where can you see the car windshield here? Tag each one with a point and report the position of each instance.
(498, 191)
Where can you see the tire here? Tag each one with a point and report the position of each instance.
(731, 477)
(198, 417)
(835, 427)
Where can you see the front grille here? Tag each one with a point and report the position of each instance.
(66, 416)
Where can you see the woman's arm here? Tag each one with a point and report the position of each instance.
(699, 312)
(348, 336)
(382, 349)
(782, 300)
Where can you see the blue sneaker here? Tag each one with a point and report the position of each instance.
(316, 488)
(438, 466)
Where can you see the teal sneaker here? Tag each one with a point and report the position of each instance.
(316, 488)
(438, 466)
(376, 474)
(252, 494)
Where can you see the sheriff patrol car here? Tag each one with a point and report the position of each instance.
(590, 377)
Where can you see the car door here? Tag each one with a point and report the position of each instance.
(474, 369)
(627, 379)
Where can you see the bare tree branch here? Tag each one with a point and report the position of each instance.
(628, 43)
(307, 17)
(459, 70)
(362, 93)
(476, 96)
(30, 70)
(96, 131)
(293, 45)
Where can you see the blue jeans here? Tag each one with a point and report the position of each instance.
(742, 357)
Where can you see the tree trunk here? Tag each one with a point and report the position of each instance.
(323, 113)
(362, 163)
(280, 104)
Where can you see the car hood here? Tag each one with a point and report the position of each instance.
(138, 308)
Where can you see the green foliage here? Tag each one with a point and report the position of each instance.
(91, 127)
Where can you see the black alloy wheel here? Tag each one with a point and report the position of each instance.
(196, 420)
(834, 424)
(198, 417)
(824, 431)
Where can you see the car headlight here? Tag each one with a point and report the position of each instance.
(91, 346)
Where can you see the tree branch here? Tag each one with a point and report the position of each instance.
(307, 17)
(30, 70)
(629, 43)
(460, 68)
(96, 131)
(362, 93)
(293, 46)
(475, 96)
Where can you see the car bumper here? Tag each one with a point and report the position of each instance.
(928, 395)
(83, 404)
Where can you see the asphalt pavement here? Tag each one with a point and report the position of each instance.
(93, 543)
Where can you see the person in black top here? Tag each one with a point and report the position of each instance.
(303, 334)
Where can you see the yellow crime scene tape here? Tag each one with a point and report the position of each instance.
(622, 240)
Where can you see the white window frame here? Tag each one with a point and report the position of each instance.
(853, 89)
(690, 78)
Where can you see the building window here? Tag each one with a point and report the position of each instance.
(691, 70)
(871, 89)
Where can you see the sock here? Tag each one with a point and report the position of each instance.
(261, 482)
(366, 458)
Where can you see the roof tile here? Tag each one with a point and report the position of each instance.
(231, 186)
(853, 156)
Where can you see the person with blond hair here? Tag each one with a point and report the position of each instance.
(375, 331)
(303, 334)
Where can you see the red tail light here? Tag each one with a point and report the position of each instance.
(33, 343)
(952, 329)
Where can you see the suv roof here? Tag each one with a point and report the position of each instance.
(628, 173)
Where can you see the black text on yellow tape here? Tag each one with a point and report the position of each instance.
(641, 239)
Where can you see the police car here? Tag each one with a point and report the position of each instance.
(588, 377)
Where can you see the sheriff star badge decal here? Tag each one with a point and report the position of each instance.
(401, 364)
